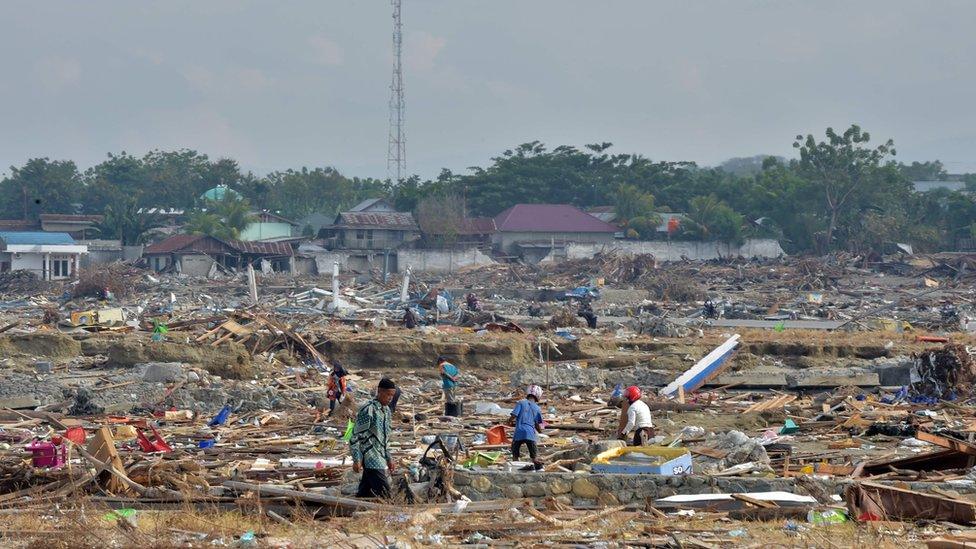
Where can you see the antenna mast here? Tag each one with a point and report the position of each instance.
(396, 159)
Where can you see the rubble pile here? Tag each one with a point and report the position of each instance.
(944, 373)
(20, 283)
(798, 381)
(116, 278)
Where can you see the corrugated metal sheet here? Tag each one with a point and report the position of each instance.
(211, 245)
(378, 220)
(34, 238)
(262, 248)
(173, 243)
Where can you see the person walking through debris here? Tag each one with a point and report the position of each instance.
(586, 311)
(473, 304)
(410, 319)
(395, 400)
(336, 389)
(449, 380)
(638, 418)
(369, 445)
(709, 310)
(527, 420)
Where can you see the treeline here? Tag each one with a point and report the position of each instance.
(842, 192)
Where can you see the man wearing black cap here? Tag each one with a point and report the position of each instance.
(369, 445)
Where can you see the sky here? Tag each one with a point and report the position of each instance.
(289, 83)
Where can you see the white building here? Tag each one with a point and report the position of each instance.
(50, 256)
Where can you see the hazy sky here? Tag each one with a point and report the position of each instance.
(286, 83)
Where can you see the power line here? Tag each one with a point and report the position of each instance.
(396, 159)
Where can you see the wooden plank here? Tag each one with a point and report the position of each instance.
(946, 442)
(707, 452)
(754, 502)
(102, 447)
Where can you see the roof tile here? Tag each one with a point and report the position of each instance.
(550, 218)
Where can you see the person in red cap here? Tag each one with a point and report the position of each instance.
(638, 418)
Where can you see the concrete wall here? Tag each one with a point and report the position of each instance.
(382, 239)
(605, 490)
(441, 261)
(132, 253)
(507, 240)
(99, 256)
(359, 262)
(674, 251)
(305, 266)
(429, 261)
(195, 264)
(265, 230)
(34, 262)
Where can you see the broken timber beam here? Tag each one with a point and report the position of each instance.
(946, 442)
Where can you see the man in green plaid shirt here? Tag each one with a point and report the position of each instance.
(369, 445)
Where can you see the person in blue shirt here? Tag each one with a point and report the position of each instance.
(527, 420)
(449, 379)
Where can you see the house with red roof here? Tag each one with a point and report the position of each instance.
(533, 231)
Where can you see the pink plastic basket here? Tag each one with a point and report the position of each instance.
(46, 454)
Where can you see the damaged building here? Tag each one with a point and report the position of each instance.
(198, 255)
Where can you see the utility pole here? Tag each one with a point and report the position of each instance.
(396, 159)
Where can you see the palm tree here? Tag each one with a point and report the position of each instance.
(225, 219)
(235, 213)
(125, 220)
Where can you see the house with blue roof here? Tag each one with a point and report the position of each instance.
(50, 256)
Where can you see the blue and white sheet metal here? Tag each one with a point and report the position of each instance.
(697, 375)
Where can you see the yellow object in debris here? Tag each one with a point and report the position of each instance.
(889, 325)
(103, 317)
(124, 432)
(84, 318)
(662, 453)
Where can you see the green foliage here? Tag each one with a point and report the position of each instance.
(924, 171)
(841, 192)
(630, 203)
(709, 218)
(224, 219)
(125, 221)
(748, 165)
(40, 186)
(643, 227)
(298, 193)
(848, 173)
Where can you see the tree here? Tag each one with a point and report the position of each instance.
(924, 171)
(744, 166)
(298, 193)
(40, 186)
(441, 217)
(120, 178)
(632, 204)
(225, 219)
(128, 222)
(841, 166)
(712, 219)
(208, 223)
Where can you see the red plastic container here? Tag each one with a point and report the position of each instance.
(497, 435)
